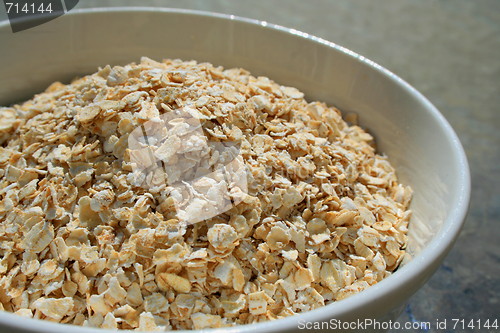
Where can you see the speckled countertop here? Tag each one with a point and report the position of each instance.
(450, 51)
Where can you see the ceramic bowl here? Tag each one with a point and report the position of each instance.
(417, 139)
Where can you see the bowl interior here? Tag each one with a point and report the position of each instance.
(418, 141)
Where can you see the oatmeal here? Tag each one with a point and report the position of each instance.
(322, 217)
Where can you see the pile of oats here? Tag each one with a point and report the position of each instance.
(81, 243)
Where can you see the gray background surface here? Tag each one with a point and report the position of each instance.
(450, 51)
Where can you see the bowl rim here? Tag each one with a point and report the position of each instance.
(431, 253)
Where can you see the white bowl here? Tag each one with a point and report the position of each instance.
(418, 140)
